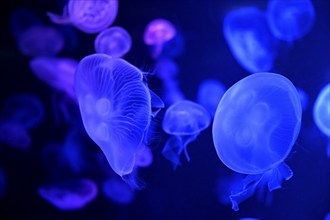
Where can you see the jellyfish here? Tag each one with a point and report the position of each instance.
(144, 157)
(209, 94)
(255, 126)
(249, 39)
(157, 33)
(88, 16)
(114, 41)
(14, 135)
(321, 113)
(71, 194)
(117, 191)
(290, 20)
(303, 98)
(184, 120)
(116, 108)
(166, 69)
(56, 72)
(172, 92)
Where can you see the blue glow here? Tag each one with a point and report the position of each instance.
(118, 191)
(321, 110)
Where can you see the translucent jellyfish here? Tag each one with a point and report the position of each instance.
(69, 194)
(117, 191)
(24, 109)
(303, 98)
(183, 120)
(88, 16)
(157, 33)
(290, 20)
(116, 108)
(114, 41)
(144, 157)
(166, 69)
(171, 92)
(255, 126)
(56, 72)
(249, 39)
(15, 135)
(209, 94)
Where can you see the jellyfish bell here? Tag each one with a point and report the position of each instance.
(321, 110)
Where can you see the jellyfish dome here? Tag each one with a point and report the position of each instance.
(115, 106)
(255, 126)
(184, 120)
(88, 16)
(115, 42)
(290, 20)
(321, 110)
(249, 39)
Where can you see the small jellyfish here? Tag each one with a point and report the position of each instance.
(255, 126)
(290, 20)
(184, 120)
(15, 135)
(171, 92)
(209, 94)
(117, 191)
(303, 98)
(249, 39)
(88, 16)
(157, 33)
(69, 194)
(116, 108)
(166, 69)
(56, 72)
(114, 41)
(144, 157)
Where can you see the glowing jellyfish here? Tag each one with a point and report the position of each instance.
(184, 120)
(115, 42)
(303, 98)
(69, 194)
(255, 126)
(118, 191)
(249, 39)
(15, 135)
(56, 72)
(24, 109)
(166, 69)
(321, 113)
(116, 108)
(171, 92)
(157, 33)
(209, 94)
(144, 157)
(290, 20)
(88, 16)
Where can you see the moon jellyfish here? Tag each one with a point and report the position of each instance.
(249, 39)
(183, 120)
(115, 42)
(118, 191)
(209, 94)
(157, 33)
(321, 113)
(14, 135)
(69, 194)
(290, 20)
(56, 72)
(144, 157)
(116, 108)
(303, 98)
(255, 126)
(88, 16)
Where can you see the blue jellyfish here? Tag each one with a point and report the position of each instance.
(255, 126)
(114, 41)
(184, 120)
(172, 92)
(70, 194)
(116, 108)
(290, 20)
(144, 157)
(166, 69)
(14, 135)
(321, 113)
(88, 16)
(157, 33)
(56, 72)
(210, 92)
(249, 39)
(303, 98)
(117, 191)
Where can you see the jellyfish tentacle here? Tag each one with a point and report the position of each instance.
(278, 175)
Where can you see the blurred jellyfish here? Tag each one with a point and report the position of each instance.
(117, 191)
(69, 194)
(56, 72)
(144, 157)
(183, 120)
(24, 109)
(209, 94)
(88, 16)
(33, 37)
(303, 98)
(172, 93)
(157, 33)
(255, 126)
(321, 113)
(116, 108)
(290, 20)
(249, 39)
(166, 69)
(15, 135)
(114, 41)
(2, 183)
